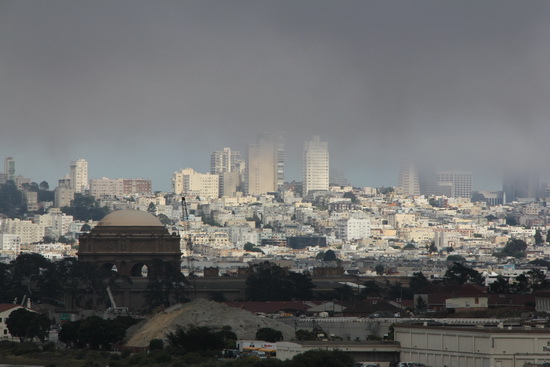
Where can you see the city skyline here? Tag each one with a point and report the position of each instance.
(142, 90)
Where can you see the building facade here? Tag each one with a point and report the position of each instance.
(107, 187)
(79, 175)
(229, 166)
(521, 184)
(409, 179)
(353, 228)
(315, 166)
(468, 346)
(9, 168)
(457, 184)
(264, 171)
(187, 182)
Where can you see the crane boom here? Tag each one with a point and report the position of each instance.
(188, 241)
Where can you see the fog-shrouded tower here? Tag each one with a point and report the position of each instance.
(9, 168)
(79, 175)
(315, 166)
(409, 179)
(225, 160)
(264, 171)
(521, 184)
(229, 165)
(457, 184)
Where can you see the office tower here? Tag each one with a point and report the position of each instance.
(229, 165)
(79, 175)
(521, 184)
(315, 166)
(187, 182)
(225, 160)
(408, 179)
(456, 184)
(338, 178)
(264, 171)
(9, 168)
(64, 193)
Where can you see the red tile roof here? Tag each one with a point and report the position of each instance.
(7, 306)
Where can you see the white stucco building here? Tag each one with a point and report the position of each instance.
(190, 183)
(473, 346)
(79, 175)
(315, 166)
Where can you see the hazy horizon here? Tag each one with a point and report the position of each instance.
(142, 89)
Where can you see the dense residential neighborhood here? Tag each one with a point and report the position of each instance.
(338, 264)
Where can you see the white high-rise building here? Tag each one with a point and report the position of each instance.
(457, 184)
(187, 182)
(354, 228)
(79, 175)
(225, 160)
(408, 179)
(229, 165)
(315, 166)
(64, 193)
(9, 168)
(264, 169)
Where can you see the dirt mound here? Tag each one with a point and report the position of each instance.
(201, 312)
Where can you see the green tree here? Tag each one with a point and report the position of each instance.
(269, 335)
(31, 271)
(537, 280)
(513, 248)
(420, 305)
(322, 358)
(538, 237)
(456, 258)
(418, 282)
(152, 208)
(163, 218)
(269, 282)
(305, 335)
(344, 293)
(85, 208)
(251, 248)
(66, 240)
(329, 256)
(548, 236)
(156, 344)
(460, 273)
(95, 332)
(371, 289)
(500, 285)
(379, 269)
(432, 248)
(11, 200)
(201, 340)
(25, 324)
(44, 186)
(166, 285)
(351, 195)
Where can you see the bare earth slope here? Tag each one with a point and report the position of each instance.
(201, 312)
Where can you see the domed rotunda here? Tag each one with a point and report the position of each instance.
(131, 241)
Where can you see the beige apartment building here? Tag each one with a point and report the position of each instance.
(473, 346)
(187, 182)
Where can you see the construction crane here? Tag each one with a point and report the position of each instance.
(188, 242)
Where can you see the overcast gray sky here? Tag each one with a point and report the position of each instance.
(144, 88)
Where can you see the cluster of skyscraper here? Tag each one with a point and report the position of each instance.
(518, 184)
(456, 184)
(260, 172)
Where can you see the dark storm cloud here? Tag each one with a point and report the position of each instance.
(143, 88)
